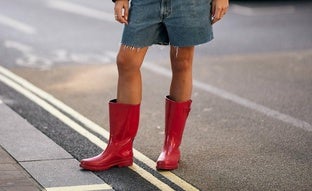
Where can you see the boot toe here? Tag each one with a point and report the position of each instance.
(167, 165)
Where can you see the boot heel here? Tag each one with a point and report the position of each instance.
(125, 163)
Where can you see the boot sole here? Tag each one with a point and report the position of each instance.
(106, 167)
(166, 166)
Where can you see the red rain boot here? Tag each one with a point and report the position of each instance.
(176, 115)
(124, 122)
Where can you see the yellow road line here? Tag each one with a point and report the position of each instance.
(92, 187)
(93, 126)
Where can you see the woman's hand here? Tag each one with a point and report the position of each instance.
(121, 11)
(218, 9)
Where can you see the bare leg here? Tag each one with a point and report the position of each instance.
(178, 106)
(129, 61)
(124, 115)
(181, 65)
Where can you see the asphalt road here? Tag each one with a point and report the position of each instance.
(250, 125)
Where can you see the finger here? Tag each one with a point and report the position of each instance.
(218, 13)
(214, 20)
(122, 19)
(119, 14)
(213, 9)
(224, 11)
(126, 12)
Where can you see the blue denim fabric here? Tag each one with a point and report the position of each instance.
(176, 22)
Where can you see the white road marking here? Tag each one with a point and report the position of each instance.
(29, 58)
(17, 25)
(18, 46)
(236, 99)
(81, 10)
(265, 11)
(81, 188)
(36, 95)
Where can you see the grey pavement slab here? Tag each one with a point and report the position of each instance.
(60, 173)
(45, 161)
(23, 141)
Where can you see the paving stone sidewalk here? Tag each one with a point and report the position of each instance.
(13, 177)
(30, 161)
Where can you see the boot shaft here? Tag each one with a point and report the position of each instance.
(175, 118)
(123, 120)
(176, 115)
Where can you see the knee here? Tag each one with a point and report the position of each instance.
(127, 64)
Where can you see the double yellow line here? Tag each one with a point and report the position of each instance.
(53, 106)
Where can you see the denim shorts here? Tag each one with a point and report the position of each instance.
(179, 23)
